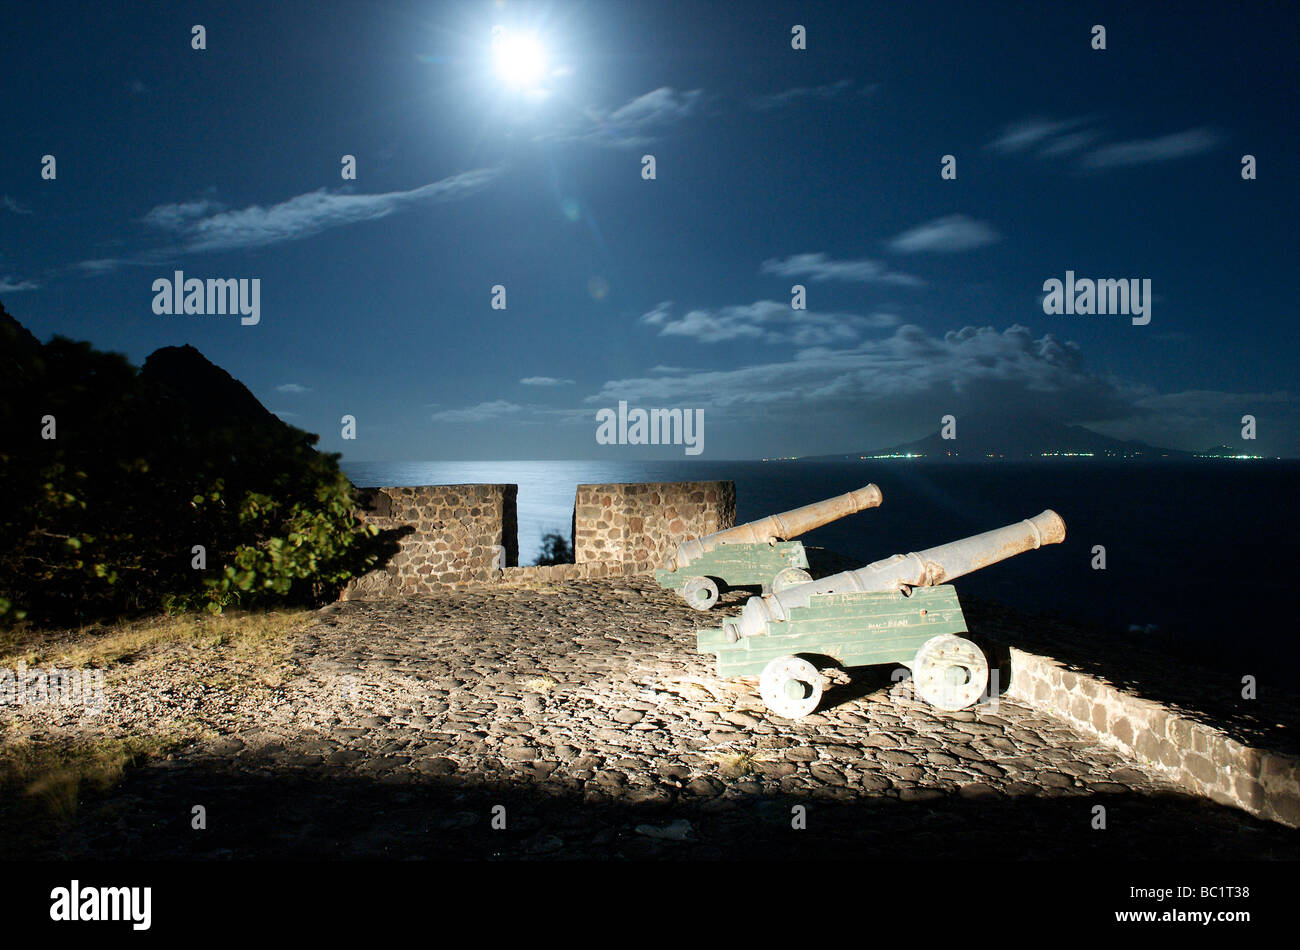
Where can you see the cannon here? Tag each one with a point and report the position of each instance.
(759, 553)
(897, 611)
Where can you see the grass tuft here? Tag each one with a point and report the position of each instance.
(53, 773)
(253, 636)
(735, 764)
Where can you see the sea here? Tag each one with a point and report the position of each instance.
(1200, 557)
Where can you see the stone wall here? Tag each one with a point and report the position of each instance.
(1198, 756)
(455, 538)
(456, 531)
(639, 524)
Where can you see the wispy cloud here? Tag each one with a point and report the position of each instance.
(98, 267)
(797, 94)
(1055, 138)
(819, 267)
(136, 87)
(1067, 144)
(9, 285)
(504, 412)
(645, 119)
(294, 388)
(1146, 151)
(545, 381)
(175, 217)
(947, 235)
(102, 265)
(10, 205)
(482, 412)
(1028, 133)
(765, 321)
(637, 122)
(201, 226)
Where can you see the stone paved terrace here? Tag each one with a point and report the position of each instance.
(584, 710)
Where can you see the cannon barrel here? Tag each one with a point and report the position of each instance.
(928, 568)
(782, 527)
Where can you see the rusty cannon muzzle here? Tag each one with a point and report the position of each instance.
(774, 528)
(929, 568)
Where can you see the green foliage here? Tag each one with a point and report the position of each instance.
(555, 550)
(102, 520)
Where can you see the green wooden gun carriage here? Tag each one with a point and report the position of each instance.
(895, 611)
(757, 554)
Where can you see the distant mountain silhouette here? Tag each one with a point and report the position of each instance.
(982, 436)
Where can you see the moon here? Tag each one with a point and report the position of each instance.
(520, 60)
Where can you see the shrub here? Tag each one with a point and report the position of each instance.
(103, 519)
(555, 550)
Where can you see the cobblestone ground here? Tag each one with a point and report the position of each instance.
(584, 713)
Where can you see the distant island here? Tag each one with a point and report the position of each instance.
(997, 437)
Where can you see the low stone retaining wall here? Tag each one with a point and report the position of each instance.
(1200, 757)
(573, 572)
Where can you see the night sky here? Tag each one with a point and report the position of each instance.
(774, 167)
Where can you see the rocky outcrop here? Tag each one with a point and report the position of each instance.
(213, 395)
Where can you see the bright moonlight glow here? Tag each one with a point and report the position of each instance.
(520, 60)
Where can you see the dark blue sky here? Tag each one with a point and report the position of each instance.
(774, 167)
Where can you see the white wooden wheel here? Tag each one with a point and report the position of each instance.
(791, 687)
(950, 672)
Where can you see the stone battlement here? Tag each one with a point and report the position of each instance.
(461, 535)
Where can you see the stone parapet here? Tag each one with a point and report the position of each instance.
(454, 535)
(643, 522)
(459, 536)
